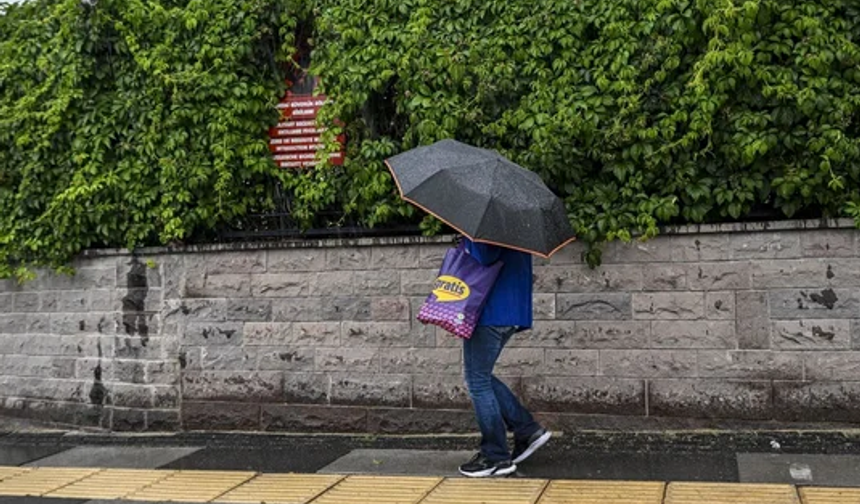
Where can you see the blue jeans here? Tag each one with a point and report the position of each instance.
(496, 407)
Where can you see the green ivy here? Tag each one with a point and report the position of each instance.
(132, 122)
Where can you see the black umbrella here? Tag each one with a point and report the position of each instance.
(483, 196)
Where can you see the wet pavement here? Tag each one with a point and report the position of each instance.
(829, 458)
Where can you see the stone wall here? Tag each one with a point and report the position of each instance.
(750, 322)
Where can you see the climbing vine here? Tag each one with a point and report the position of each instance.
(132, 122)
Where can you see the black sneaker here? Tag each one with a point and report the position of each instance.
(523, 448)
(480, 467)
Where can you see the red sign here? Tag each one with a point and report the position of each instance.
(294, 142)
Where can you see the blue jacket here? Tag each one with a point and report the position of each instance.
(510, 301)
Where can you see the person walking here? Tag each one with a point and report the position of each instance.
(508, 310)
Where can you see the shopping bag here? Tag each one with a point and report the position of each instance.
(459, 293)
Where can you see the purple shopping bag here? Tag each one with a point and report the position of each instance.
(459, 293)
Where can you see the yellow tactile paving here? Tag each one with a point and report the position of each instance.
(111, 484)
(378, 490)
(280, 489)
(730, 493)
(192, 486)
(603, 492)
(43, 480)
(8, 472)
(490, 491)
(830, 495)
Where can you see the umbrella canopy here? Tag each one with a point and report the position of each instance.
(483, 196)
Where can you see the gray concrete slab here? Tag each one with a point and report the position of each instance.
(805, 470)
(15, 455)
(116, 457)
(400, 462)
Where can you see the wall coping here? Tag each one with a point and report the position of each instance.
(692, 229)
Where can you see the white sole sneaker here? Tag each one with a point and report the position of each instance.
(491, 472)
(533, 447)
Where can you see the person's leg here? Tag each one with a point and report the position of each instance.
(517, 418)
(480, 353)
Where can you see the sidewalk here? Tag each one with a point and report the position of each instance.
(39, 466)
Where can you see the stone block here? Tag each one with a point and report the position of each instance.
(213, 334)
(373, 334)
(268, 333)
(386, 258)
(214, 416)
(130, 396)
(223, 310)
(570, 363)
(559, 334)
(173, 276)
(720, 305)
(352, 258)
(710, 399)
(588, 395)
(605, 306)
(316, 334)
(648, 363)
(248, 310)
(102, 300)
(129, 371)
(750, 365)
(311, 418)
(520, 362)
(767, 245)
(570, 254)
(285, 358)
(398, 421)
(440, 391)
(431, 256)
(83, 279)
(389, 308)
(617, 335)
(137, 300)
(90, 368)
(228, 263)
(855, 334)
(842, 272)
(347, 359)
(355, 389)
(228, 358)
(219, 286)
(51, 389)
(812, 334)
(693, 334)
(82, 323)
(669, 306)
(345, 308)
(417, 282)
(281, 285)
(752, 323)
(721, 276)
(282, 261)
(297, 310)
(828, 243)
(580, 278)
(232, 386)
(136, 348)
(817, 401)
(543, 306)
(38, 366)
(333, 283)
(27, 302)
(166, 397)
(664, 277)
(24, 324)
(808, 273)
(6, 302)
(700, 248)
(306, 388)
(59, 345)
(138, 272)
(163, 420)
(127, 420)
(832, 366)
(377, 283)
(421, 360)
(656, 250)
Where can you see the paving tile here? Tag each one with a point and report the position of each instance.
(396, 462)
(497, 491)
(603, 492)
(192, 486)
(111, 484)
(730, 493)
(819, 470)
(39, 482)
(115, 457)
(281, 489)
(379, 490)
(830, 495)
(15, 455)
